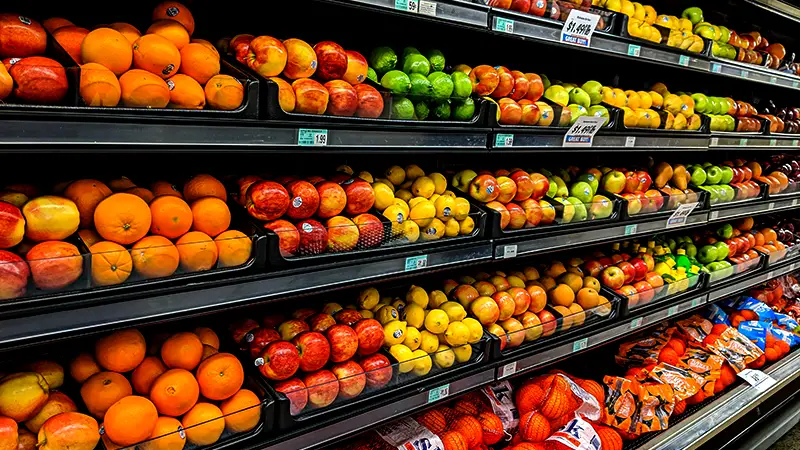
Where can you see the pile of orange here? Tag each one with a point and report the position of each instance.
(179, 390)
(154, 232)
(162, 68)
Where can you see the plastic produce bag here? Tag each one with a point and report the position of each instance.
(736, 348)
(679, 379)
(643, 351)
(705, 368)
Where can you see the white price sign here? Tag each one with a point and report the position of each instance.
(579, 27)
(508, 370)
(758, 379)
(581, 133)
(681, 214)
(510, 251)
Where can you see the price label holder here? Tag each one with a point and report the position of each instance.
(508, 370)
(681, 214)
(416, 263)
(634, 50)
(504, 140)
(579, 27)
(743, 142)
(770, 206)
(716, 68)
(713, 215)
(504, 25)
(436, 394)
(630, 141)
(773, 142)
(758, 379)
(697, 302)
(510, 251)
(427, 8)
(672, 311)
(714, 141)
(636, 323)
(684, 61)
(794, 202)
(795, 142)
(773, 80)
(406, 5)
(582, 132)
(631, 229)
(580, 344)
(312, 138)
(745, 74)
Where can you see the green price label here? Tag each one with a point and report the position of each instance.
(634, 50)
(631, 229)
(504, 25)
(504, 140)
(684, 61)
(416, 263)
(672, 311)
(716, 68)
(580, 344)
(312, 138)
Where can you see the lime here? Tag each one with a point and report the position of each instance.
(416, 63)
(421, 88)
(402, 108)
(462, 85)
(442, 111)
(545, 81)
(396, 81)
(372, 75)
(410, 51)
(382, 59)
(421, 110)
(463, 109)
(437, 60)
(442, 86)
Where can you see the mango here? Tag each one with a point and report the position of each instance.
(52, 372)
(22, 395)
(56, 404)
(69, 430)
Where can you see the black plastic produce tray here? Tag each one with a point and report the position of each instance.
(762, 193)
(740, 271)
(623, 31)
(664, 211)
(662, 297)
(556, 127)
(705, 124)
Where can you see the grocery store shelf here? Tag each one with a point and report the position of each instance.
(753, 143)
(456, 11)
(752, 208)
(774, 427)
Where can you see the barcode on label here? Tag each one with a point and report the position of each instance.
(631, 229)
(427, 8)
(416, 262)
(312, 138)
(634, 50)
(504, 25)
(684, 61)
(504, 140)
(509, 251)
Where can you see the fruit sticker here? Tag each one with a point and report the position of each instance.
(25, 20)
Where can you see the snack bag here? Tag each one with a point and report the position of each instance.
(737, 349)
(784, 321)
(705, 368)
(679, 379)
(785, 336)
(644, 350)
(756, 332)
(696, 328)
(761, 309)
(621, 409)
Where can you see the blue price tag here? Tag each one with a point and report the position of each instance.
(416, 263)
(634, 50)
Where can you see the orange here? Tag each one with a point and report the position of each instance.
(224, 92)
(175, 11)
(87, 194)
(155, 257)
(547, 282)
(561, 295)
(574, 281)
(555, 270)
(432, 419)
(121, 351)
(130, 420)
(208, 351)
(142, 89)
(160, 188)
(203, 185)
(71, 38)
(122, 218)
(587, 298)
(199, 62)
(207, 336)
(220, 376)
(130, 32)
(111, 263)
(470, 428)
(171, 30)
(175, 392)
(6, 83)
(453, 440)
(121, 184)
(528, 398)
(156, 54)
(198, 251)
(166, 436)
(102, 390)
(234, 248)
(211, 216)
(172, 217)
(143, 376)
(205, 44)
(108, 48)
(142, 193)
(83, 367)
(203, 424)
(54, 23)
(242, 411)
(185, 93)
(182, 350)
(99, 86)
(591, 282)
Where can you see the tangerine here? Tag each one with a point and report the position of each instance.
(102, 390)
(155, 257)
(171, 216)
(175, 392)
(121, 351)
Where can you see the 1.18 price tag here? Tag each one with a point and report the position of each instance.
(579, 27)
(581, 133)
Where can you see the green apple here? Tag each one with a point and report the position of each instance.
(730, 122)
(728, 193)
(580, 97)
(694, 14)
(561, 190)
(727, 175)
(716, 49)
(553, 189)
(577, 111)
(713, 105)
(545, 81)
(580, 209)
(707, 254)
(593, 88)
(713, 175)
(698, 176)
(706, 165)
(706, 31)
(582, 191)
(600, 111)
(689, 248)
(568, 210)
(725, 231)
(557, 94)
(725, 34)
(722, 250)
(700, 102)
(591, 180)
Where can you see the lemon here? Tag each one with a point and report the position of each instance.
(397, 216)
(386, 182)
(415, 315)
(436, 321)
(400, 306)
(422, 363)
(404, 194)
(404, 356)
(394, 332)
(428, 342)
(460, 208)
(463, 353)
(384, 197)
(386, 314)
(407, 185)
(475, 329)
(439, 182)
(367, 314)
(403, 206)
(457, 334)
(444, 357)
(413, 338)
(422, 212)
(418, 296)
(442, 339)
(368, 298)
(436, 299)
(454, 310)
(467, 225)
(423, 187)
(411, 231)
(396, 175)
(452, 228)
(450, 193)
(434, 197)
(434, 230)
(445, 207)
(413, 172)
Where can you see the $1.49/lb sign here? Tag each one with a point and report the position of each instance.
(579, 27)
(581, 133)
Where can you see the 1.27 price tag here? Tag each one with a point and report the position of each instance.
(579, 27)
(581, 133)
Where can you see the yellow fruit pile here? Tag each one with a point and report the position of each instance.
(641, 19)
(640, 108)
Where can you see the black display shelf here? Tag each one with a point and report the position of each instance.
(459, 12)
(750, 142)
(750, 208)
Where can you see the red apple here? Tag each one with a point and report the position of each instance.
(267, 56)
(521, 84)
(313, 237)
(370, 101)
(288, 236)
(378, 370)
(592, 268)
(517, 217)
(301, 59)
(21, 36)
(332, 199)
(548, 322)
(533, 212)
(312, 97)
(522, 300)
(12, 225)
(484, 188)
(259, 338)
(332, 60)
(524, 185)
(39, 80)
(240, 329)
(267, 200)
(351, 379)
(323, 387)
(370, 230)
(540, 185)
(530, 112)
(505, 302)
(239, 47)
(343, 234)
(303, 313)
(321, 322)
(315, 179)
(627, 269)
(654, 200)
(360, 196)
(292, 328)
(356, 68)
(14, 273)
(484, 80)
(286, 97)
(344, 342)
(535, 86)
(640, 268)
(342, 100)
(294, 390)
(505, 83)
(613, 277)
(347, 317)
(273, 320)
(510, 112)
(508, 189)
(304, 199)
(520, 5)
(313, 349)
(370, 336)
(645, 291)
(279, 361)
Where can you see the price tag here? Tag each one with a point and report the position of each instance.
(684, 61)
(504, 25)
(634, 50)
(406, 5)
(681, 215)
(793, 266)
(713, 215)
(631, 229)
(630, 141)
(579, 27)
(716, 68)
(773, 142)
(773, 80)
(427, 8)
(416, 262)
(794, 202)
(636, 323)
(581, 133)
(434, 395)
(696, 302)
(795, 84)
(312, 138)
(745, 74)
(742, 142)
(504, 140)
(508, 370)
(770, 206)
(509, 251)
(580, 344)
(714, 141)
(758, 379)
(795, 142)
(672, 311)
